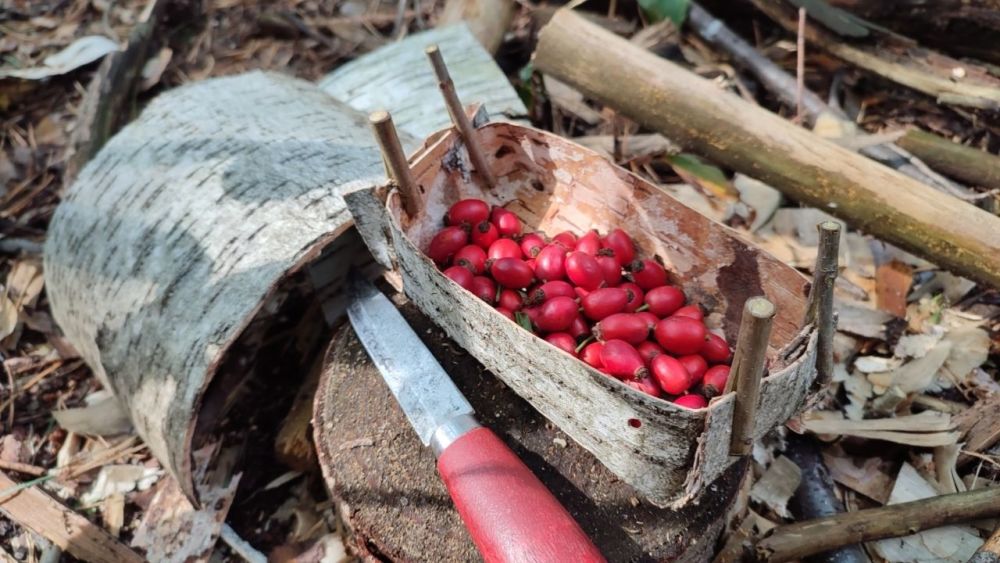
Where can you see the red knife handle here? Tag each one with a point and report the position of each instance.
(509, 513)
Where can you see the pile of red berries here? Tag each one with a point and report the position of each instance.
(590, 296)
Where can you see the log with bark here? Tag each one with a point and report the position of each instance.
(216, 219)
(695, 113)
(390, 495)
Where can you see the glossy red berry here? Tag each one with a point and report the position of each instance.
(550, 264)
(611, 268)
(648, 274)
(693, 311)
(649, 350)
(650, 319)
(532, 244)
(695, 366)
(557, 314)
(619, 241)
(591, 354)
(483, 288)
(621, 360)
(446, 243)
(605, 302)
(484, 234)
(507, 223)
(581, 293)
(589, 243)
(468, 212)
(579, 327)
(670, 374)
(691, 401)
(510, 299)
(635, 296)
(714, 381)
(563, 341)
(680, 335)
(472, 257)
(664, 301)
(630, 327)
(647, 385)
(550, 289)
(506, 312)
(565, 239)
(716, 349)
(512, 273)
(460, 275)
(583, 270)
(504, 248)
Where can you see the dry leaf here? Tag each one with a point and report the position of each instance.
(876, 364)
(945, 544)
(945, 460)
(969, 350)
(84, 50)
(103, 416)
(25, 282)
(856, 318)
(119, 479)
(762, 198)
(917, 345)
(892, 284)
(8, 317)
(867, 476)
(916, 375)
(777, 485)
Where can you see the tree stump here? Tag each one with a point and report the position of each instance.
(396, 508)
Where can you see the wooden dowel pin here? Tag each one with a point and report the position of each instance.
(458, 117)
(395, 160)
(748, 369)
(821, 298)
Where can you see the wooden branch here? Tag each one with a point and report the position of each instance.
(695, 113)
(989, 552)
(968, 164)
(821, 298)
(783, 85)
(795, 541)
(912, 66)
(487, 19)
(461, 121)
(74, 534)
(395, 159)
(748, 369)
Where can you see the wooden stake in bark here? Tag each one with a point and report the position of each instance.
(458, 117)
(821, 298)
(748, 369)
(795, 541)
(695, 113)
(395, 159)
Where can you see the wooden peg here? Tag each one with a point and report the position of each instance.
(821, 298)
(458, 117)
(748, 369)
(395, 160)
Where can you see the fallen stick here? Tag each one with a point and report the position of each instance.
(783, 85)
(694, 112)
(989, 552)
(795, 541)
(966, 163)
(67, 530)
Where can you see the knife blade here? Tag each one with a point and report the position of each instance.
(509, 513)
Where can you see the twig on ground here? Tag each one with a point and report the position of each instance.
(800, 67)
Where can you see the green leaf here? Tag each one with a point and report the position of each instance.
(523, 320)
(710, 178)
(673, 10)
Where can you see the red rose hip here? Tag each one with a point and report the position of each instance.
(648, 274)
(472, 257)
(591, 354)
(460, 275)
(550, 289)
(611, 268)
(691, 311)
(584, 271)
(565, 239)
(563, 341)
(714, 381)
(647, 385)
(446, 243)
(691, 401)
(716, 349)
(506, 312)
(550, 264)
(578, 327)
(512, 273)
(602, 303)
(483, 287)
(649, 350)
(695, 365)
(532, 244)
(663, 301)
(631, 328)
(484, 234)
(589, 243)
(680, 335)
(670, 374)
(635, 296)
(621, 360)
(510, 299)
(507, 223)
(557, 314)
(468, 212)
(503, 248)
(621, 243)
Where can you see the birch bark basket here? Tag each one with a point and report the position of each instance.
(668, 453)
(219, 213)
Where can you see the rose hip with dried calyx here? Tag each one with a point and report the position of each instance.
(591, 354)
(621, 360)
(670, 374)
(716, 349)
(446, 243)
(605, 302)
(550, 289)
(472, 257)
(532, 244)
(629, 327)
(695, 366)
(510, 299)
(550, 263)
(714, 381)
(583, 270)
(563, 341)
(557, 314)
(621, 243)
(680, 335)
(468, 212)
(512, 273)
(507, 223)
(460, 275)
(504, 248)
(483, 288)
(484, 234)
(663, 301)
(648, 273)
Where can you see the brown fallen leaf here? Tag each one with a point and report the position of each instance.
(893, 281)
(867, 476)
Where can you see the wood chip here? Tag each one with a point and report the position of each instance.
(980, 426)
(916, 375)
(103, 417)
(861, 320)
(777, 485)
(892, 284)
(74, 534)
(867, 476)
(927, 429)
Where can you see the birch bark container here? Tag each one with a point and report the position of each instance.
(668, 453)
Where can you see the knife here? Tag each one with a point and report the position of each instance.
(509, 513)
